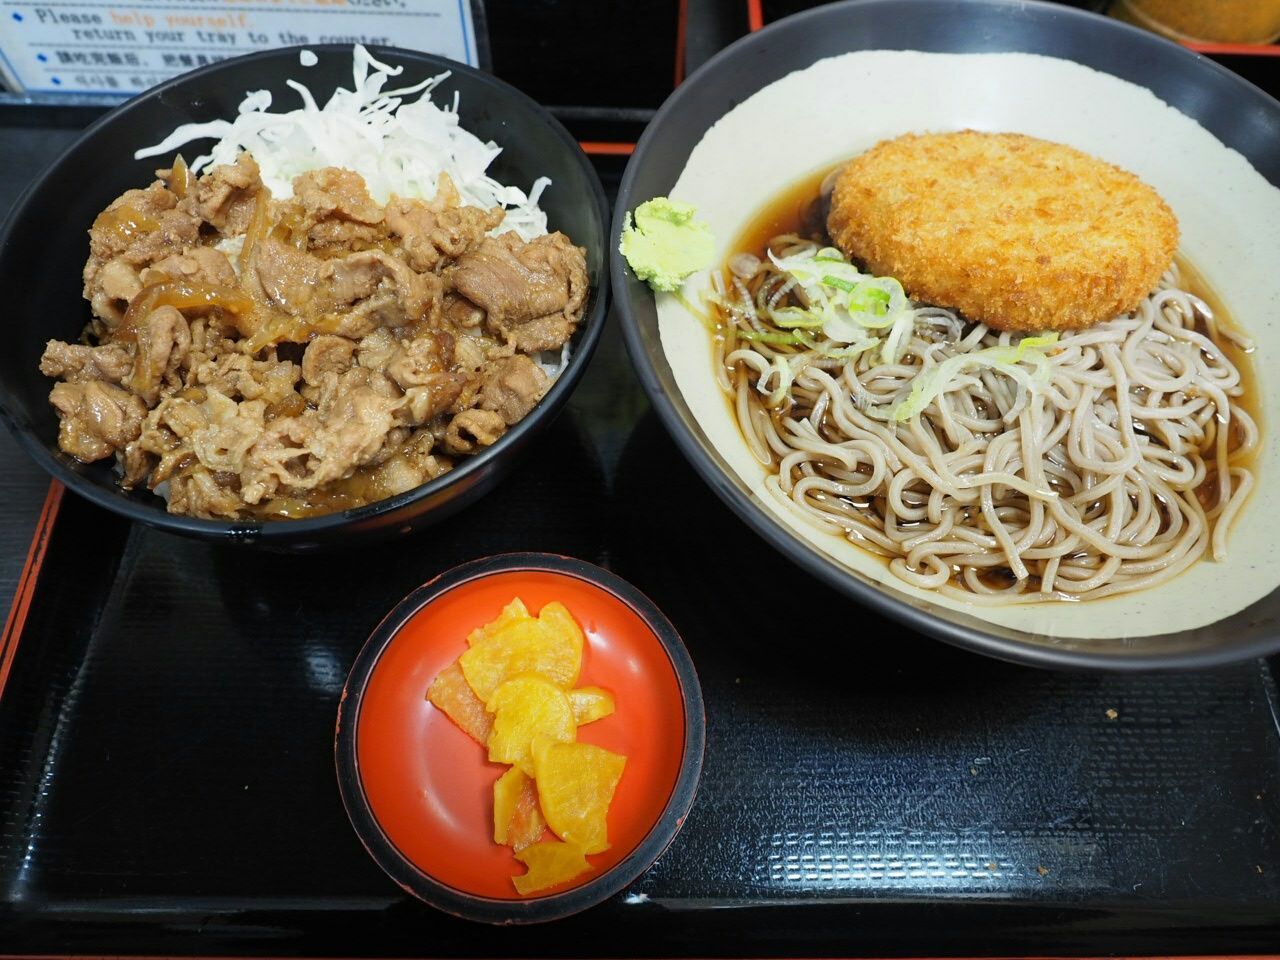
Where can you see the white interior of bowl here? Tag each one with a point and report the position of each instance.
(1229, 216)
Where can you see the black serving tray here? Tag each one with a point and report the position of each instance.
(167, 782)
(167, 711)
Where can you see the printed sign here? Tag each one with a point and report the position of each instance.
(123, 48)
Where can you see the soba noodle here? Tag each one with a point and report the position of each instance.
(1114, 472)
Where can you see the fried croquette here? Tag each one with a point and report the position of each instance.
(1015, 232)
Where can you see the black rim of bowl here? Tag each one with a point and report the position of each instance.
(556, 905)
(974, 635)
(589, 328)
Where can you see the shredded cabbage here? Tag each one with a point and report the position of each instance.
(398, 147)
(934, 381)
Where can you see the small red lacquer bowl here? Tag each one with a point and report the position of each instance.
(419, 791)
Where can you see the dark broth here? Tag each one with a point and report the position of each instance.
(795, 210)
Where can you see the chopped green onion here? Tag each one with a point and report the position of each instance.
(847, 353)
(870, 299)
(792, 317)
(930, 384)
(755, 335)
(841, 284)
(805, 341)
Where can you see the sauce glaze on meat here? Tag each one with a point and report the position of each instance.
(255, 357)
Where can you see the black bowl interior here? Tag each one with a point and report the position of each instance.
(1239, 114)
(44, 246)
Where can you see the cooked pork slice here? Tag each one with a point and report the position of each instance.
(75, 362)
(469, 353)
(353, 295)
(532, 293)
(512, 387)
(436, 395)
(351, 278)
(416, 360)
(412, 465)
(342, 235)
(325, 354)
(203, 265)
(225, 196)
(336, 209)
(418, 295)
(240, 376)
(136, 216)
(137, 229)
(334, 192)
(229, 431)
(138, 463)
(197, 493)
(163, 340)
(376, 349)
(545, 333)
(295, 454)
(349, 297)
(119, 281)
(97, 418)
(472, 429)
(441, 229)
(349, 352)
(461, 312)
(288, 276)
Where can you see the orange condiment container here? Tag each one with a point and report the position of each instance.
(1222, 21)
